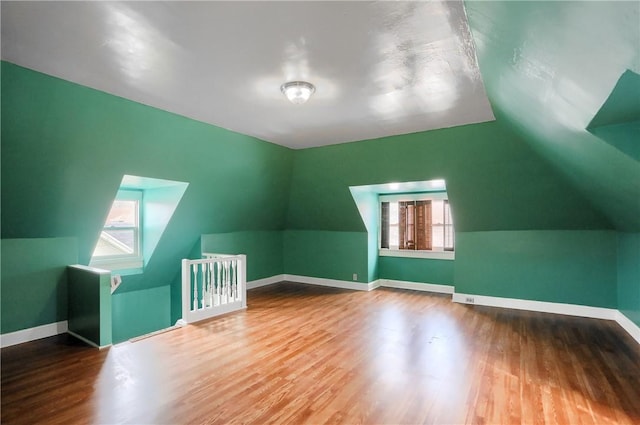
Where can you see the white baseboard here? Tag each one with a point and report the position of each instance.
(417, 286)
(345, 284)
(334, 283)
(51, 329)
(557, 308)
(266, 281)
(31, 334)
(518, 304)
(626, 324)
(540, 306)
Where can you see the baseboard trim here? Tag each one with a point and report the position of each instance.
(31, 334)
(626, 324)
(417, 286)
(265, 281)
(51, 329)
(334, 283)
(539, 306)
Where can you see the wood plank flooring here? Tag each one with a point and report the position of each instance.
(304, 355)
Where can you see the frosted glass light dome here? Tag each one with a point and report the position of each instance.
(297, 92)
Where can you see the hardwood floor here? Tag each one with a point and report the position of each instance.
(304, 354)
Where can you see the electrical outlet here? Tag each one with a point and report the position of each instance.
(355, 276)
(470, 300)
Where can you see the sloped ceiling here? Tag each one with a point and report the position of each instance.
(618, 120)
(622, 105)
(380, 68)
(548, 67)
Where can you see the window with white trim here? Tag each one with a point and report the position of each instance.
(120, 242)
(416, 224)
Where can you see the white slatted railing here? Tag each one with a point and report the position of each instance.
(212, 286)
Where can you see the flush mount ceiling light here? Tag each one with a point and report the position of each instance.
(297, 92)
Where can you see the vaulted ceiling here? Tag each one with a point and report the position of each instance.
(550, 69)
(380, 68)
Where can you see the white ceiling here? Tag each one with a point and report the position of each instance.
(380, 68)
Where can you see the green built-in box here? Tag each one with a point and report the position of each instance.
(89, 304)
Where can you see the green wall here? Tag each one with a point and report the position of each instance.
(629, 275)
(495, 181)
(264, 250)
(65, 149)
(417, 270)
(548, 67)
(522, 230)
(34, 280)
(622, 136)
(574, 267)
(326, 254)
(159, 204)
(367, 204)
(137, 313)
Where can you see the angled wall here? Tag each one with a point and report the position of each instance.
(548, 68)
(65, 149)
(33, 286)
(495, 181)
(499, 188)
(262, 248)
(629, 276)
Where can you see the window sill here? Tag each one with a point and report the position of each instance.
(433, 255)
(122, 267)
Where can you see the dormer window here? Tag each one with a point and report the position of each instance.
(416, 225)
(120, 241)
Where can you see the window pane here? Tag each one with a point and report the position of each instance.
(116, 242)
(384, 225)
(448, 242)
(411, 226)
(393, 213)
(437, 212)
(393, 236)
(406, 224)
(122, 214)
(449, 231)
(438, 236)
